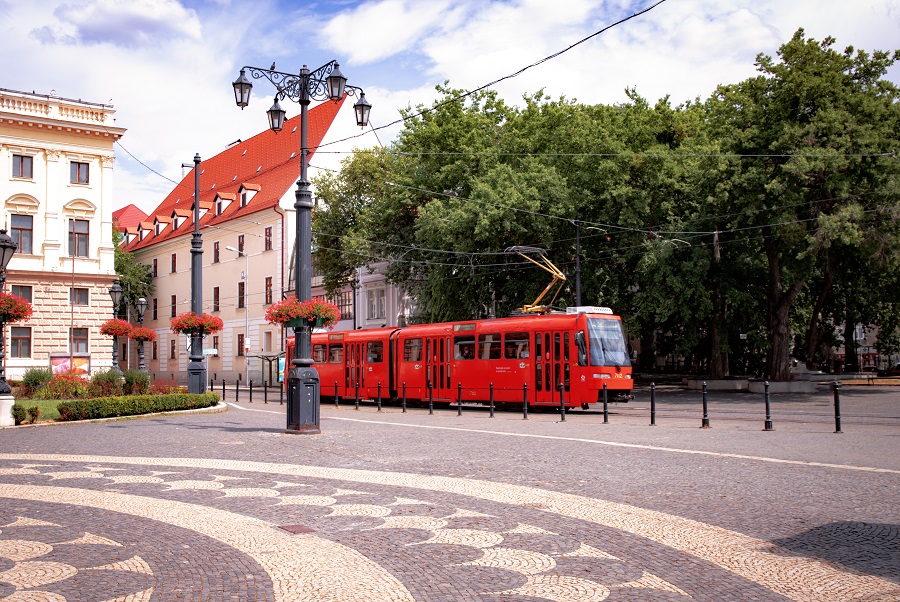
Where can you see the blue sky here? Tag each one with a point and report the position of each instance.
(167, 65)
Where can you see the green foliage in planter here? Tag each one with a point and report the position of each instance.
(107, 383)
(136, 382)
(19, 413)
(132, 405)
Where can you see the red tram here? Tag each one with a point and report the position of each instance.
(582, 349)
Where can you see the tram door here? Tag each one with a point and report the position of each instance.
(355, 368)
(437, 365)
(551, 366)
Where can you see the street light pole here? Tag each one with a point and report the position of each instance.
(326, 82)
(115, 293)
(196, 367)
(246, 310)
(7, 248)
(141, 307)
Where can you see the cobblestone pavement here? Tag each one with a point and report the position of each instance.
(394, 506)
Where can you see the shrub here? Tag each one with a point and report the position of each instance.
(107, 407)
(136, 382)
(19, 412)
(63, 386)
(34, 413)
(35, 378)
(107, 383)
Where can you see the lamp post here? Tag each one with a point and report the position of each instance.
(326, 82)
(196, 367)
(246, 279)
(141, 307)
(7, 248)
(115, 293)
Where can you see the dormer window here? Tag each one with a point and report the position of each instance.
(220, 206)
(158, 228)
(245, 198)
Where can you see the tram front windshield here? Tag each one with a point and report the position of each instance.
(606, 342)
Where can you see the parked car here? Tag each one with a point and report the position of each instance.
(895, 371)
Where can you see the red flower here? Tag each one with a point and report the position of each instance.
(115, 328)
(13, 308)
(294, 310)
(141, 333)
(190, 323)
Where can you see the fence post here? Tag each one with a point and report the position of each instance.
(705, 423)
(768, 426)
(837, 406)
(403, 402)
(652, 404)
(492, 400)
(281, 394)
(379, 396)
(562, 403)
(337, 401)
(223, 388)
(525, 402)
(459, 399)
(430, 399)
(605, 406)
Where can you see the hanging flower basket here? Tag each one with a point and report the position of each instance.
(190, 323)
(141, 333)
(13, 309)
(116, 328)
(294, 313)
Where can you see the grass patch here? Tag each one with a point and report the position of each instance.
(47, 407)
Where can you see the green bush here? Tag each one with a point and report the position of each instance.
(137, 382)
(34, 413)
(35, 378)
(19, 413)
(107, 407)
(107, 383)
(64, 386)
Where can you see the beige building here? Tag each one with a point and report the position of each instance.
(56, 187)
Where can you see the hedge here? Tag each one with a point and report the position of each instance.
(132, 405)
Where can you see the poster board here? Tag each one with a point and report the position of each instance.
(77, 363)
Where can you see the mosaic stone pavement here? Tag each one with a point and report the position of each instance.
(115, 528)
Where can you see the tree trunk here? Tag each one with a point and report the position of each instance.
(780, 301)
(718, 356)
(813, 343)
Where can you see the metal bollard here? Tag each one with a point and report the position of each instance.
(459, 399)
(265, 392)
(236, 383)
(705, 423)
(652, 404)
(837, 406)
(379, 396)
(211, 383)
(492, 400)
(251, 391)
(430, 399)
(357, 395)
(525, 402)
(403, 402)
(605, 406)
(768, 426)
(223, 389)
(281, 394)
(562, 403)
(337, 402)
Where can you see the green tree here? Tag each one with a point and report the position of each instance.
(135, 278)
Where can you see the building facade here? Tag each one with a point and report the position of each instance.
(57, 193)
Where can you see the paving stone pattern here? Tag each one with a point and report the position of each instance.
(390, 506)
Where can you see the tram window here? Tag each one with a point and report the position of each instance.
(606, 343)
(412, 350)
(375, 352)
(516, 345)
(464, 348)
(489, 347)
(319, 354)
(556, 353)
(566, 347)
(335, 354)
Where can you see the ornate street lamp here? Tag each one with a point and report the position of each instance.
(326, 82)
(7, 248)
(141, 307)
(115, 293)
(196, 367)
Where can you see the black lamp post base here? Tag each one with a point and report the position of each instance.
(303, 401)
(196, 376)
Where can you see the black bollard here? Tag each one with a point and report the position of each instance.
(281, 394)
(525, 401)
(265, 392)
(251, 391)
(211, 383)
(223, 389)
(337, 401)
(837, 406)
(236, 383)
(379, 396)
(605, 405)
(768, 426)
(459, 399)
(652, 404)
(492, 400)
(430, 399)
(562, 403)
(705, 423)
(403, 402)
(357, 395)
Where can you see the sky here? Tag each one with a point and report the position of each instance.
(167, 65)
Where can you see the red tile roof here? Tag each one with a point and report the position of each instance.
(268, 162)
(128, 216)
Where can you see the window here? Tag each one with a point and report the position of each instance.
(240, 245)
(78, 237)
(155, 306)
(241, 302)
(155, 267)
(220, 206)
(79, 338)
(173, 352)
(174, 263)
(375, 303)
(79, 172)
(154, 353)
(489, 347)
(268, 238)
(21, 290)
(216, 252)
(23, 167)
(267, 341)
(336, 354)
(464, 347)
(20, 341)
(344, 302)
(412, 350)
(375, 352)
(240, 342)
(215, 301)
(22, 232)
(78, 296)
(244, 198)
(174, 305)
(216, 345)
(268, 290)
(319, 354)
(516, 345)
